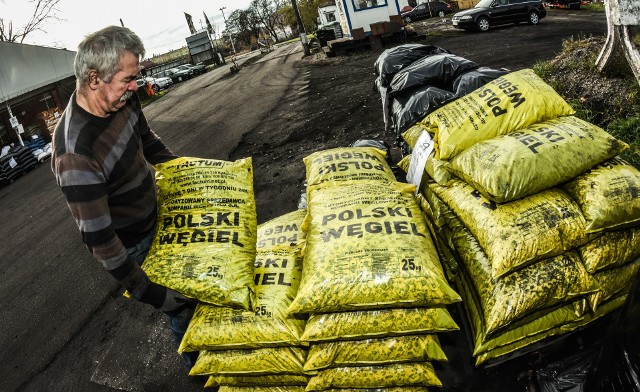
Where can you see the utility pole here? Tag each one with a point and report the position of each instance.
(303, 33)
(228, 32)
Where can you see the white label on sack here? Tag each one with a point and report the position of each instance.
(421, 151)
(13, 163)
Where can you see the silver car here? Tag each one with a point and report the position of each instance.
(159, 83)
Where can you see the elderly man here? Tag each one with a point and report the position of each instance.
(102, 153)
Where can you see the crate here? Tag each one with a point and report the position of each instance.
(358, 34)
(378, 28)
(396, 19)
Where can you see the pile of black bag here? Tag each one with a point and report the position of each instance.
(414, 80)
(18, 160)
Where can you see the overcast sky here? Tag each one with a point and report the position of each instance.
(160, 24)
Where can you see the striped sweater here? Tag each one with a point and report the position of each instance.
(102, 166)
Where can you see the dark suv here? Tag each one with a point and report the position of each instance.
(427, 10)
(489, 13)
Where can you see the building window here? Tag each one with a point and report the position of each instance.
(360, 5)
(330, 16)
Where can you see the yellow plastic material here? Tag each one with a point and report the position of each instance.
(516, 234)
(435, 168)
(612, 249)
(347, 164)
(368, 247)
(544, 284)
(397, 389)
(367, 324)
(205, 241)
(616, 280)
(609, 195)
(276, 380)
(260, 389)
(504, 105)
(530, 160)
(547, 323)
(506, 349)
(397, 375)
(278, 267)
(370, 352)
(258, 362)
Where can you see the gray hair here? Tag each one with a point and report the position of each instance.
(102, 51)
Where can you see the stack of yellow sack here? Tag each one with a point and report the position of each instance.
(372, 282)
(533, 211)
(204, 243)
(262, 346)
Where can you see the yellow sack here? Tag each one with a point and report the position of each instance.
(205, 239)
(347, 164)
(283, 231)
(530, 160)
(278, 267)
(545, 320)
(258, 362)
(504, 105)
(370, 352)
(435, 168)
(396, 389)
(617, 280)
(609, 195)
(260, 389)
(397, 375)
(367, 324)
(544, 284)
(506, 349)
(611, 249)
(275, 380)
(516, 234)
(368, 247)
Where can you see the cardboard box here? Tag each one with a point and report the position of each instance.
(358, 33)
(378, 28)
(396, 19)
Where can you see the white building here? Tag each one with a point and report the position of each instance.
(354, 14)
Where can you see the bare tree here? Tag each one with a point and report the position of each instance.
(283, 9)
(266, 12)
(45, 10)
(246, 26)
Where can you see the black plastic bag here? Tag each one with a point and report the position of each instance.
(412, 106)
(439, 70)
(474, 79)
(393, 60)
(613, 365)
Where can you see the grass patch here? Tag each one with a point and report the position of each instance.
(610, 99)
(628, 129)
(598, 7)
(146, 100)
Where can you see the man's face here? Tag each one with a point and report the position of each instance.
(113, 95)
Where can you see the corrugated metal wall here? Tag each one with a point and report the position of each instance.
(25, 68)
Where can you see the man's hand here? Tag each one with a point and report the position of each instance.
(174, 301)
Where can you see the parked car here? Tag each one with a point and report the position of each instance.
(568, 4)
(194, 69)
(489, 13)
(178, 75)
(159, 82)
(427, 10)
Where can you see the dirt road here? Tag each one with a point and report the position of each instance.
(66, 326)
